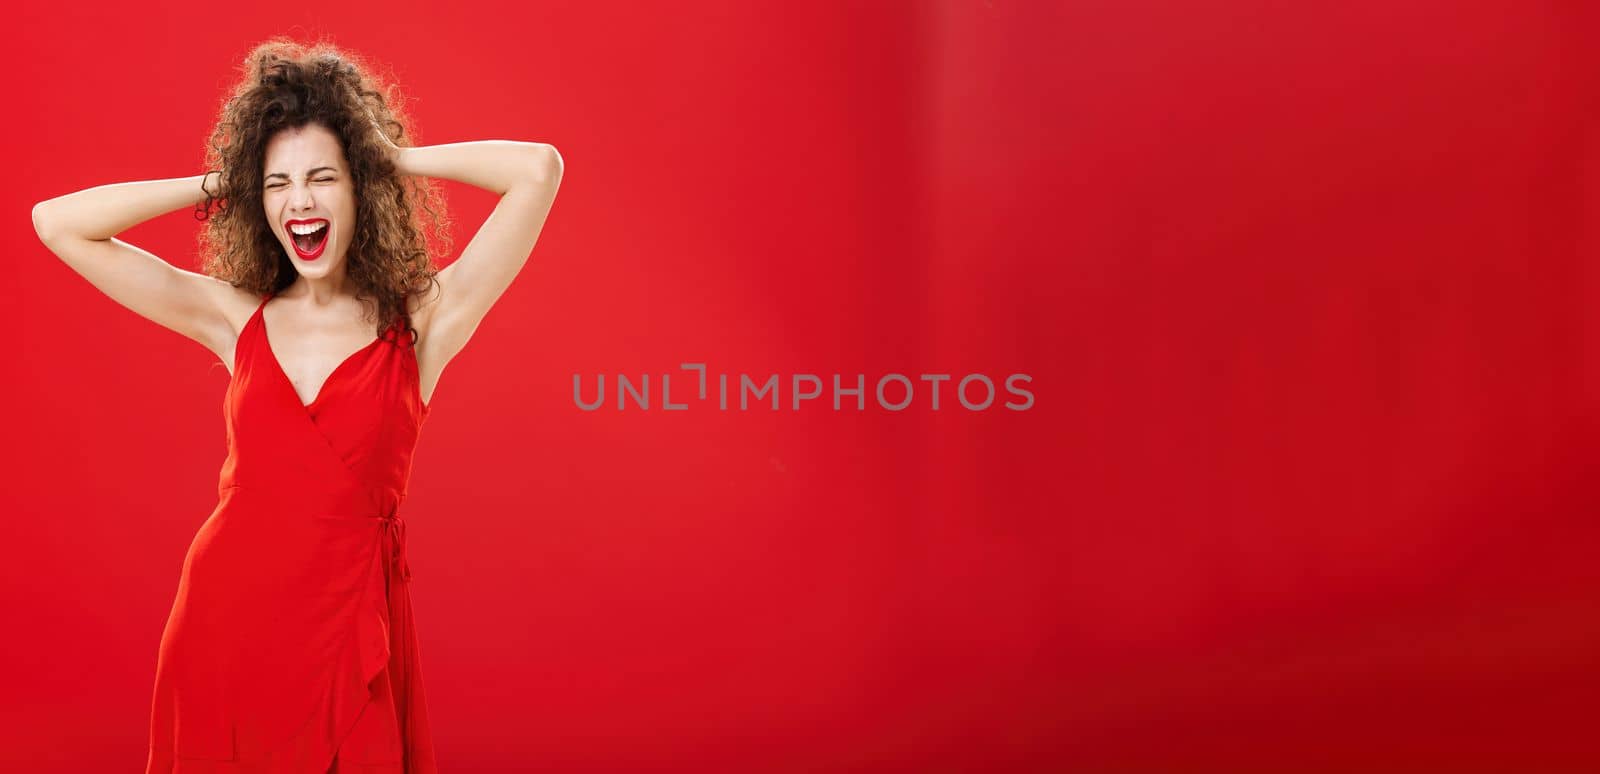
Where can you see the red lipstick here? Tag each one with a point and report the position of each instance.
(309, 247)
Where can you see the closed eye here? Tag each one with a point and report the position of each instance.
(280, 183)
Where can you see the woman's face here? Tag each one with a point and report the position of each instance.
(306, 186)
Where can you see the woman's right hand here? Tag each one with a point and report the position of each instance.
(211, 187)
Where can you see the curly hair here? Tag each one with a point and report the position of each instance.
(289, 85)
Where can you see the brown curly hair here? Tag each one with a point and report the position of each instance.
(288, 85)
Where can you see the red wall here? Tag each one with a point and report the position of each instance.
(1306, 298)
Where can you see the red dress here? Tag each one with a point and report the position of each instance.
(290, 645)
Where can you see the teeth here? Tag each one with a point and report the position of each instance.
(308, 228)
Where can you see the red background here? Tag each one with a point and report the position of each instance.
(1307, 297)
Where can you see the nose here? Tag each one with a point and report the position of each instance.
(302, 199)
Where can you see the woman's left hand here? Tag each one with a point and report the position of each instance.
(390, 149)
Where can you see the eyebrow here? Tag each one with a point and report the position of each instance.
(308, 174)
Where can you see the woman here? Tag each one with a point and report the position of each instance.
(289, 647)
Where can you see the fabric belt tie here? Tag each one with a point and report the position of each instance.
(395, 533)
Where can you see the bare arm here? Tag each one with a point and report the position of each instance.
(81, 227)
(526, 176)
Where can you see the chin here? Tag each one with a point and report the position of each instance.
(317, 268)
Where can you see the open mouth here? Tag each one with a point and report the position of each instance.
(309, 237)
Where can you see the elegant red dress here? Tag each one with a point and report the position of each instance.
(290, 645)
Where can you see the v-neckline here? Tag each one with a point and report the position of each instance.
(266, 339)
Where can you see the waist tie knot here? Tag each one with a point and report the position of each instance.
(394, 530)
